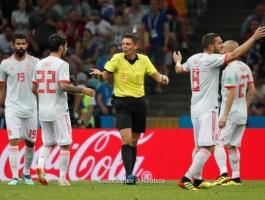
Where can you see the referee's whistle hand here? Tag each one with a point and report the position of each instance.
(95, 72)
(165, 80)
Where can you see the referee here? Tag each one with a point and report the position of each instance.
(128, 70)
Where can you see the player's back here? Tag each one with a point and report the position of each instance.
(204, 75)
(238, 75)
(52, 100)
(18, 74)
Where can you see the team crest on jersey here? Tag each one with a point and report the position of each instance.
(228, 80)
(28, 68)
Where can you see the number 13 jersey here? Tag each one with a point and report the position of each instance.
(236, 75)
(20, 101)
(52, 100)
(204, 75)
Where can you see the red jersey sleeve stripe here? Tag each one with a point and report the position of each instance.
(230, 86)
(64, 81)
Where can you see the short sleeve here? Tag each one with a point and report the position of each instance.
(216, 60)
(230, 78)
(64, 75)
(250, 76)
(150, 68)
(2, 73)
(187, 65)
(112, 64)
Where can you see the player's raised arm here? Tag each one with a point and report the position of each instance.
(242, 49)
(177, 57)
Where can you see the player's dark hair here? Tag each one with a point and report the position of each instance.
(131, 36)
(55, 41)
(209, 38)
(18, 36)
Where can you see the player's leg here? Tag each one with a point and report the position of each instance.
(220, 154)
(48, 143)
(234, 155)
(206, 132)
(186, 183)
(63, 137)
(14, 125)
(64, 160)
(198, 180)
(13, 160)
(29, 135)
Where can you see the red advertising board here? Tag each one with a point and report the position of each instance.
(162, 154)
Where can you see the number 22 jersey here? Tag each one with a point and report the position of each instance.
(52, 100)
(236, 75)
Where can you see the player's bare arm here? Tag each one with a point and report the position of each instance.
(34, 89)
(160, 78)
(2, 93)
(250, 93)
(177, 57)
(76, 89)
(242, 49)
(228, 106)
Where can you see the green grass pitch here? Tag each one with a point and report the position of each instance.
(251, 190)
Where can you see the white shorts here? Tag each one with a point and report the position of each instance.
(57, 132)
(21, 128)
(206, 129)
(231, 134)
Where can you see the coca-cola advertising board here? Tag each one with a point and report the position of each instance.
(162, 154)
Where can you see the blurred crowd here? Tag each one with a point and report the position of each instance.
(256, 57)
(94, 29)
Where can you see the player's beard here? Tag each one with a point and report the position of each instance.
(65, 54)
(20, 52)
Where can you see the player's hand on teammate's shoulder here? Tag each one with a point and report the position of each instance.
(88, 91)
(259, 33)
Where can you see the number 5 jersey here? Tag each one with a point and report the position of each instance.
(52, 100)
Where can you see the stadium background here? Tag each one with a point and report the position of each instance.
(168, 109)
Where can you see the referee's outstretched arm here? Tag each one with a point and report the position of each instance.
(160, 78)
(105, 74)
